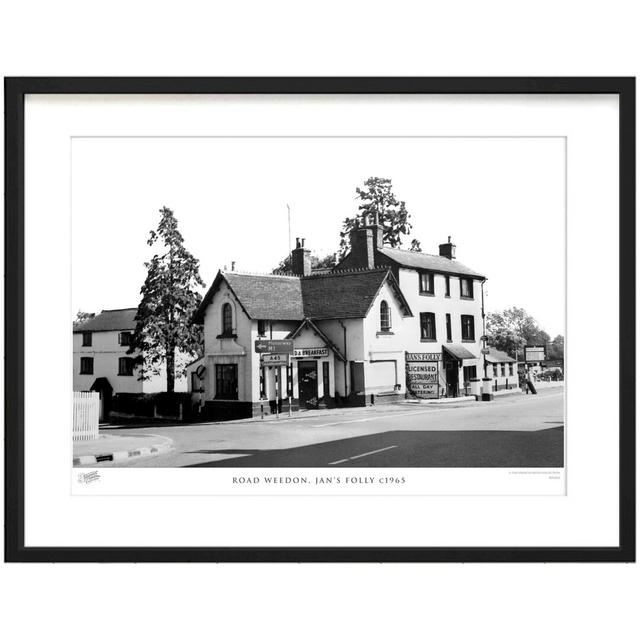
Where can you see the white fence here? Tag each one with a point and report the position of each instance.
(86, 410)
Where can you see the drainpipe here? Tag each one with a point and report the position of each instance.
(484, 332)
(344, 328)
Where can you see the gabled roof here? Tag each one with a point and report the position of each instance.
(306, 323)
(110, 320)
(419, 260)
(495, 355)
(262, 297)
(338, 294)
(347, 294)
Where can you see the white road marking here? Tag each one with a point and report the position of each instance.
(361, 455)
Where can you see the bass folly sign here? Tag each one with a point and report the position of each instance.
(423, 374)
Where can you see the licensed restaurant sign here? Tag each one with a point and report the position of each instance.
(423, 374)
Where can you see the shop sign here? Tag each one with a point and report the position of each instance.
(311, 352)
(423, 375)
(422, 357)
(534, 353)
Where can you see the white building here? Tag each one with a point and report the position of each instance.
(101, 362)
(383, 324)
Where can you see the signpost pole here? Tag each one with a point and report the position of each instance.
(277, 395)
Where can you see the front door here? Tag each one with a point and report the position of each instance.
(308, 384)
(451, 372)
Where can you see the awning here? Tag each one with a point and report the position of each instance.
(459, 352)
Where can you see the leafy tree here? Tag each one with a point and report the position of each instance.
(169, 300)
(555, 350)
(83, 316)
(317, 262)
(512, 329)
(378, 202)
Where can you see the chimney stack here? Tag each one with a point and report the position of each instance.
(301, 259)
(448, 249)
(362, 248)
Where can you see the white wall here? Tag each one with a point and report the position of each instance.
(384, 354)
(441, 305)
(105, 352)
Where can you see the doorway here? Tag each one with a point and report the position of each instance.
(451, 375)
(308, 384)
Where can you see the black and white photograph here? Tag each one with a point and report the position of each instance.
(319, 301)
(360, 310)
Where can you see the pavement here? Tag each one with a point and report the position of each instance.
(119, 448)
(512, 430)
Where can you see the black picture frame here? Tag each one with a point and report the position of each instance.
(15, 91)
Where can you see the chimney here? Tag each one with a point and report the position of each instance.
(233, 265)
(301, 259)
(448, 249)
(362, 248)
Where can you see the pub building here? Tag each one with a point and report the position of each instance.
(383, 325)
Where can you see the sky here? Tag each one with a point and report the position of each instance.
(502, 200)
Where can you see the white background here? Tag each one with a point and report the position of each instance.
(490, 38)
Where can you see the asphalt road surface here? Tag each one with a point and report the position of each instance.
(511, 431)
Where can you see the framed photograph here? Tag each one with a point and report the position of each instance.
(320, 319)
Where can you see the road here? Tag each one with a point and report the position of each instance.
(511, 431)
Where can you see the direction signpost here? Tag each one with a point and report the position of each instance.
(274, 346)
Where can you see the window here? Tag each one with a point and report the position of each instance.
(86, 338)
(385, 316)
(468, 329)
(448, 317)
(511, 368)
(86, 366)
(227, 381)
(262, 327)
(227, 319)
(495, 370)
(470, 373)
(427, 326)
(466, 288)
(426, 283)
(447, 286)
(503, 370)
(125, 366)
(124, 338)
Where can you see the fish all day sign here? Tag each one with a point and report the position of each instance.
(423, 374)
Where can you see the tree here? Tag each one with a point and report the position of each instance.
(415, 246)
(512, 329)
(378, 204)
(555, 350)
(317, 262)
(82, 317)
(169, 300)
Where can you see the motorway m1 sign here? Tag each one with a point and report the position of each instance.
(274, 346)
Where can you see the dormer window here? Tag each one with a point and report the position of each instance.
(385, 316)
(227, 319)
(426, 283)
